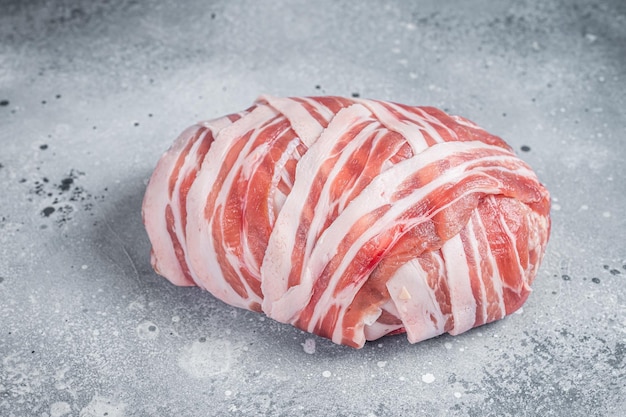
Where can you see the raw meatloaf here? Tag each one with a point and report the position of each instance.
(349, 218)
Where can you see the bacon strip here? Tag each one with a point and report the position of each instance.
(350, 218)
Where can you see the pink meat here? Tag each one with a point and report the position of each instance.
(350, 218)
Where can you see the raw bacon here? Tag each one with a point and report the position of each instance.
(350, 218)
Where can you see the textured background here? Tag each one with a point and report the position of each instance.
(91, 93)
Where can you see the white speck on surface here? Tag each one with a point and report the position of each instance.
(520, 310)
(606, 214)
(60, 374)
(175, 319)
(309, 346)
(428, 378)
(381, 364)
(136, 305)
(228, 393)
(556, 207)
(205, 359)
(457, 395)
(448, 345)
(147, 330)
(101, 406)
(584, 207)
(84, 267)
(59, 409)
(326, 374)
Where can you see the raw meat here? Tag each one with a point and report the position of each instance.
(350, 218)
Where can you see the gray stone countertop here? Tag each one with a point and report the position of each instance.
(91, 94)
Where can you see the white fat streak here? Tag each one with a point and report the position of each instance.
(275, 204)
(461, 296)
(377, 194)
(512, 239)
(430, 119)
(277, 261)
(411, 132)
(156, 199)
(216, 125)
(471, 245)
(377, 330)
(324, 204)
(538, 227)
(321, 109)
(368, 321)
(276, 198)
(342, 202)
(415, 311)
(302, 122)
(248, 161)
(189, 164)
(466, 122)
(421, 123)
(425, 122)
(254, 158)
(475, 224)
(202, 254)
(249, 164)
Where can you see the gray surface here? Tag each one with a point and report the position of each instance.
(98, 90)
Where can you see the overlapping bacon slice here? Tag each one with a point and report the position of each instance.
(349, 218)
